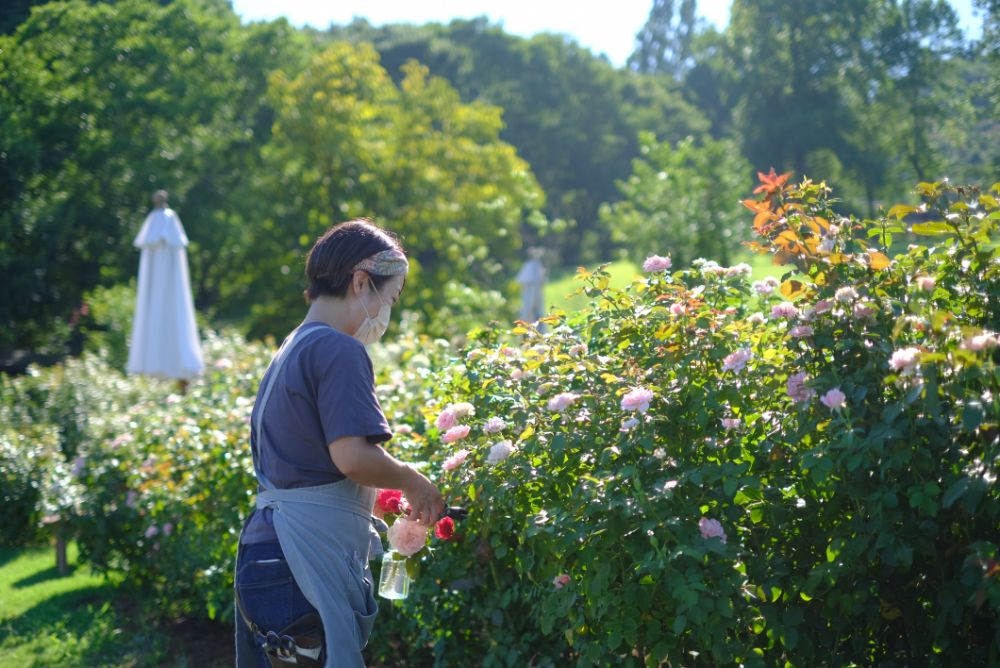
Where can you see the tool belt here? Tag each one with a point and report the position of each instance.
(298, 644)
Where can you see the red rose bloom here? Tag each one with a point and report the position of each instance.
(390, 500)
(445, 528)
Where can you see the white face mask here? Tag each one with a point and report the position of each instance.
(372, 329)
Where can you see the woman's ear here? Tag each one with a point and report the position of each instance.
(358, 282)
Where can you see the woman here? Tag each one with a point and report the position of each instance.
(303, 586)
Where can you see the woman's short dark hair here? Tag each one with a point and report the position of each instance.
(332, 258)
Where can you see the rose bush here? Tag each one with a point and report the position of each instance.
(701, 470)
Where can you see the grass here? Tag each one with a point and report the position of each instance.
(80, 619)
(559, 290)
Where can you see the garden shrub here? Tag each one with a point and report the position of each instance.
(705, 471)
(108, 323)
(167, 487)
(20, 489)
(50, 417)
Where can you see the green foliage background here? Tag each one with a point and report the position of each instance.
(471, 142)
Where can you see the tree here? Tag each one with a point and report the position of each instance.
(102, 104)
(682, 200)
(916, 39)
(793, 59)
(664, 45)
(348, 142)
(570, 114)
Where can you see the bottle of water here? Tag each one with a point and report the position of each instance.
(393, 581)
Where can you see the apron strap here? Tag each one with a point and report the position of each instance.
(277, 362)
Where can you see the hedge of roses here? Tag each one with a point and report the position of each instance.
(48, 419)
(152, 484)
(697, 470)
(705, 470)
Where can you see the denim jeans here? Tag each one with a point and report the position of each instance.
(270, 598)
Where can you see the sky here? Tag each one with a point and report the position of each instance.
(602, 27)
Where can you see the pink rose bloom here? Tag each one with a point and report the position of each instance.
(578, 350)
(152, 531)
(446, 420)
(507, 351)
(629, 424)
(834, 399)
(741, 269)
(981, 341)
(926, 283)
(677, 308)
(800, 331)
(730, 423)
(737, 360)
(562, 401)
(756, 319)
(637, 400)
(656, 263)
(168, 528)
(711, 529)
(822, 306)
(407, 537)
(560, 581)
(131, 497)
(403, 429)
(784, 310)
(863, 310)
(766, 286)
(455, 433)
(499, 452)
(518, 374)
(847, 294)
(493, 425)
(903, 359)
(797, 388)
(455, 460)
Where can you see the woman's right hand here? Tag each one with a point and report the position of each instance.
(426, 504)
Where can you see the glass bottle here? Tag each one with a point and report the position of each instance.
(393, 581)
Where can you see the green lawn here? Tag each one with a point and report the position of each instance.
(47, 619)
(562, 282)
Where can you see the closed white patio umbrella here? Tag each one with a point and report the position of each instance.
(532, 280)
(165, 339)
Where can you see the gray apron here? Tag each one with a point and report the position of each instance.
(328, 537)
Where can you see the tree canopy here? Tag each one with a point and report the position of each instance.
(469, 141)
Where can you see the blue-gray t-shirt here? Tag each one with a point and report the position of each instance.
(324, 391)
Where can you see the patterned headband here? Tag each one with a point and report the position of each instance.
(389, 262)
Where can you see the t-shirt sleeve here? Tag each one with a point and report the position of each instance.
(345, 396)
